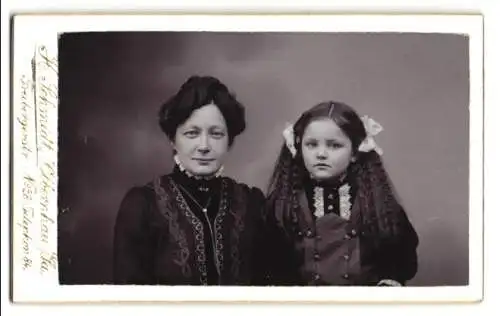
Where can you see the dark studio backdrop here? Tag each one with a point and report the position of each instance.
(112, 85)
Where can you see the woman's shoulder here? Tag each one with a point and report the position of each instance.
(146, 190)
(142, 197)
(134, 205)
(252, 191)
(137, 195)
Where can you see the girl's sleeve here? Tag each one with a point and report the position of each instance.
(400, 260)
(132, 256)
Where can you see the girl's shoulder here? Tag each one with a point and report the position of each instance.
(278, 194)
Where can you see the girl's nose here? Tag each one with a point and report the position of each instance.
(321, 153)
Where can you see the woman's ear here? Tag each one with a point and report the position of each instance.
(173, 146)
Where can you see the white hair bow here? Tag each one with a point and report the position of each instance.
(289, 139)
(372, 128)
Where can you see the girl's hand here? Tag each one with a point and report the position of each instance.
(388, 282)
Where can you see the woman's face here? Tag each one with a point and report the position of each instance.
(326, 149)
(202, 141)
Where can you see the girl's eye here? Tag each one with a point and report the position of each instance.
(311, 144)
(335, 145)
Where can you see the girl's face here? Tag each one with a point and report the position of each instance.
(202, 141)
(326, 149)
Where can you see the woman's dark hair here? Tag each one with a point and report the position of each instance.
(196, 92)
(379, 210)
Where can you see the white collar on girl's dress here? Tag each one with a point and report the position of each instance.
(344, 201)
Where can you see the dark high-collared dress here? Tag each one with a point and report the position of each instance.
(331, 249)
(162, 236)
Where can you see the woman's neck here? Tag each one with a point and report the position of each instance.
(200, 187)
(189, 174)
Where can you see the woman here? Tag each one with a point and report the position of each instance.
(192, 226)
(335, 215)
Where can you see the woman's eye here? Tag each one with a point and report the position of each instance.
(311, 144)
(191, 134)
(218, 134)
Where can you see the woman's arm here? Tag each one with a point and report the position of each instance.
(132, 255)
(259, 267)
(278, 263)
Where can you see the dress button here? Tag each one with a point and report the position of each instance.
(316, 277)
(300, 233)
(309, 233)
(346, 276)
(316, 256)
(353, 232)
(330, 207)
(330, 196)
(347, 237)
(346, 257)
(318, 237)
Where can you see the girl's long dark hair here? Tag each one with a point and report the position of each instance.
(377, 210)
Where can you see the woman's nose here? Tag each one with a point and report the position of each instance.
(204, 145)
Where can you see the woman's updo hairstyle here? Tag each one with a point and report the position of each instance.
(195, 93)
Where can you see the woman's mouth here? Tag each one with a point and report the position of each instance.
(321, 165)
(204, 161)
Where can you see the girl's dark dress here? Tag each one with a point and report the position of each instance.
(331, 250)
(163, 237)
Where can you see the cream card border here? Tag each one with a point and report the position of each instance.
(34, 179)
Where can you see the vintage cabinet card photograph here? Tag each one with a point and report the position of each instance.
(247, 157)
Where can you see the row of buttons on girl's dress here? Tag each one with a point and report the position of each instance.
(309, 234)
(330, 201)
(317, 277)
(317, 257)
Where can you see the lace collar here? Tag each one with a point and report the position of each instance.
(193, 183)
(319, 191)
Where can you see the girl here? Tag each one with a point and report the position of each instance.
(333, 216)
